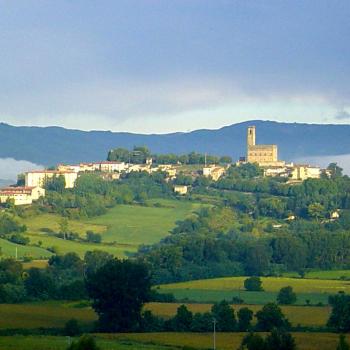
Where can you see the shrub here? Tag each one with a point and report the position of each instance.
(253, 284)
(72, 328)
(286, 296)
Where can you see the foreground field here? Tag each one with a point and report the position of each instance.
(308, 290)
(225, 341)
(163, 341)
(61, 343)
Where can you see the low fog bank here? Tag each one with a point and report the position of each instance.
(10, 168)
(342, 160)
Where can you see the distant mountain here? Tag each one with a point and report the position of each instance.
(52, 145)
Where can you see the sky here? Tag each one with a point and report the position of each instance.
(161, 66)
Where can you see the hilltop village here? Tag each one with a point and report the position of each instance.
(32, 186)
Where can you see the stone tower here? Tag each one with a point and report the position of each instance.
(251, 136)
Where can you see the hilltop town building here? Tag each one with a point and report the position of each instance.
(213, 171)
(264, 155)
(37, 178)
(21, 195)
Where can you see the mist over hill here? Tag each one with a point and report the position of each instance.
(52, 145)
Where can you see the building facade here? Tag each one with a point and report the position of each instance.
(37, 178)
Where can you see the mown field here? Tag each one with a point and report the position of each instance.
(308, 290)
(123, 229)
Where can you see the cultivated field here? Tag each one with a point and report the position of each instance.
(56, 314)
(297, 315)
(46, 315)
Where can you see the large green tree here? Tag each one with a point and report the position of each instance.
(118, 291)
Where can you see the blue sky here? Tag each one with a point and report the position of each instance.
(170, 65)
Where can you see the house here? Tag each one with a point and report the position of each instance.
(181, 189)
(213, 171)
(303, 172)
(37, 178)
(110, 167)
(21, 195)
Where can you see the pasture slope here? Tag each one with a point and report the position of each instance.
(123, 228)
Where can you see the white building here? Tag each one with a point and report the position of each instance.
(37, 178)
(21, 195)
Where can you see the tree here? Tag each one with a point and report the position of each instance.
(224, 316)
(343, 344)
(38, 284)
(245, 317)
(280, 340)
(335, 170)
(86, 342)
(253, 341)
(183, 319)
(72, 328)
(316, 211)
(64, 228)
(253, 284)
(118, 291)
(271, 316)
(340, 315)
(93, 237)
(286, 296)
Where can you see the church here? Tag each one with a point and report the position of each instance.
(264, 155)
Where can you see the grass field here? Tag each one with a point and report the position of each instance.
(225, 341)
(313, 290)
(61, 343)
(323, 275)
(123, 229)
(8, 249)
(47, 315)
(163, 341)
(130, 224)
(297, 315)
(56, 314)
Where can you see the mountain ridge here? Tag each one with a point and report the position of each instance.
(53, 144)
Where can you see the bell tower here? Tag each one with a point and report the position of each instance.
(251, 136)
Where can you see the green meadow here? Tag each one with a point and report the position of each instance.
(123, 228)
(9, 249)
(132, 224)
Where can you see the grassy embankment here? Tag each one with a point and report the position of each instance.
(314, 290)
